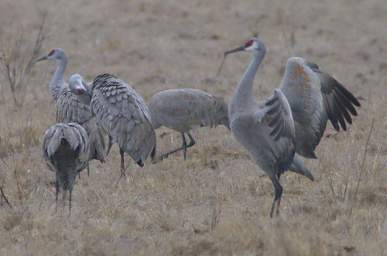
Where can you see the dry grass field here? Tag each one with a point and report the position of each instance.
(217, 202)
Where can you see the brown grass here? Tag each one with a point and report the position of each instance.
(216, 202)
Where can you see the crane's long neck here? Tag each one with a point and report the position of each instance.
(57, 79)
(243, 95)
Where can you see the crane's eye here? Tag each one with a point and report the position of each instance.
(249, 43)
(51, 52)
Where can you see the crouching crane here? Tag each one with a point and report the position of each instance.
(66, 152)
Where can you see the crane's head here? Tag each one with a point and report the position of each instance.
(54, 54)
(77, 85)
(252, 45)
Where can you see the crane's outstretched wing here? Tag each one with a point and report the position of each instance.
(124, 115)
(315, 97)
(339, 103)
(69, 108)
(302, 89)
(279, 116)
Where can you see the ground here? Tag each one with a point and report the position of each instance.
(217, 201)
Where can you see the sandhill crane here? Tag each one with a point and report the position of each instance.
(74, 106)
(57, 82)
(266, 130)
(312, 96)
(183, 109)
(66, 151)
(123, 114)
(73, 103)
(315, 97)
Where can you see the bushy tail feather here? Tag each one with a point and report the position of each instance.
(298, 166)
(153, 153)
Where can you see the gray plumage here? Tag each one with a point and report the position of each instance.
(265, 129)
(315, 97)
(66, 151)
(73, 103)
(183, 109)
(57, 82)
(123, 114)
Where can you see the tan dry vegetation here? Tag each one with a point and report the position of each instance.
(215, 203)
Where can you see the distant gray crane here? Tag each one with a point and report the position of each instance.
(183, 109)
(123, 114)
(272, 131)
(73, 103)
(66, 151)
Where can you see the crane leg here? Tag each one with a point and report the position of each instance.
(64, 198)
(192, 141)
(110, 144)
(277, 194)
(56, 193)
(184, 147)
(122, 163)
(88, 169)
(70, 197)
(190, 144)
(279, 199)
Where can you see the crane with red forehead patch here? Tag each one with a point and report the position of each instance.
(292, 120)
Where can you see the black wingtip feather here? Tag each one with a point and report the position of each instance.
(331, 117)
(271, 101)
(276, 131)
(275, 119)
(313, 155)
(339, 115)
(341, 104)
(348, 94)
(153, 153)
(273, 109)
(346, 102)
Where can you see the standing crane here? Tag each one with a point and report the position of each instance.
(183, 109)
(315, 97)
(124, 116)
(73, 103)
(265, 129)
(272, 131)
(66, 151)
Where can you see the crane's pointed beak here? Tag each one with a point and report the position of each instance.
(88, 88)
(238, 49)
(41, 58)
